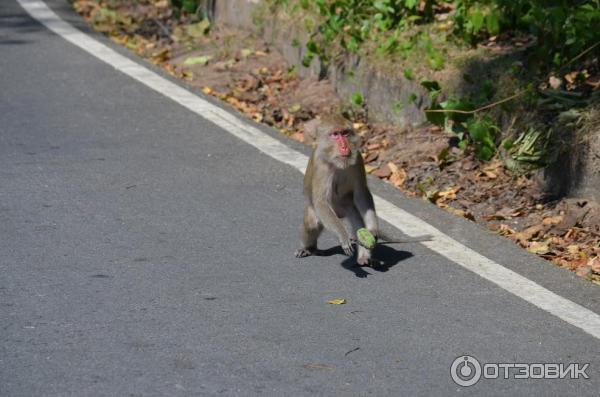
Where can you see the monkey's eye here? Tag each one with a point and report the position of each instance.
(334, 134)
(346, 132)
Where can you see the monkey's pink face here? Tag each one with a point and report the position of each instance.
(343, 145)
(341, 141)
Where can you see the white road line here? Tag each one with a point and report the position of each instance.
(409, 224)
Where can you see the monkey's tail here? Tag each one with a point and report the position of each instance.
(383, 239)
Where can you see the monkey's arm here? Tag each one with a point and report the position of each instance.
(366, 207)
(330, 220)
(363, 200)
(308, 177)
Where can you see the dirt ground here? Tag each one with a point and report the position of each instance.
(253, 78)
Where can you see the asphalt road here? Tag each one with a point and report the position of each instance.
(147, 252)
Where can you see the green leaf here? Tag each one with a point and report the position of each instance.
(492, 23)
(437, 118)
(190, 6)
(356, 98)
(246, 52)
(483, 133)
(408, 73)
(480, 131)
(410, 4)
(398, 106)
(200, 60)
(508, 143)
(484, 153)
(381, 6)
(352, 44)
(312, 46)
(198, 29)
(307, 59)
(431, 85)
(309, 24)
(477, 20)
(436, 61)
(457, 104)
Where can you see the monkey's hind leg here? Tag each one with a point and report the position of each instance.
(311, 229)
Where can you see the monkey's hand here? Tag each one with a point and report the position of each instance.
(347, 247)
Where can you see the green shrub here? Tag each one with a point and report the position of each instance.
(563, 28)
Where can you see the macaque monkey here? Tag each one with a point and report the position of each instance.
(335, 187)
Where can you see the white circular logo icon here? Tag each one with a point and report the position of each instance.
(465, 371)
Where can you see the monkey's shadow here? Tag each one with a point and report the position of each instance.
(384, 258)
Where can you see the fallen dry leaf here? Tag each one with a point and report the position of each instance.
(570, 77)
(337, 302)
(505, 230)
(552, 220)
(529, 233)
(583, 271)
(382, 172)
(370, 157)
(490, 174)
(594, 264)
(573, 249)
(369, 168)
(465, 214)
(398, 176)
(160, 56)
(448, 194)
(297, 136)
(397, 179)
(538, 247)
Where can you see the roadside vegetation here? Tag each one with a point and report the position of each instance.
(428, 34)
(510, 85)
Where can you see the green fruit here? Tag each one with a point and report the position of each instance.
(365, 238)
